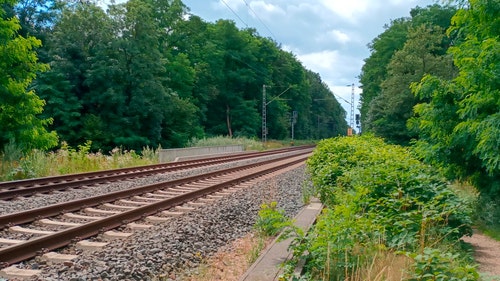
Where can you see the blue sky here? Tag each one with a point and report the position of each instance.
(329, 37)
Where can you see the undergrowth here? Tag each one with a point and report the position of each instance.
(16, 165)
(387, 217)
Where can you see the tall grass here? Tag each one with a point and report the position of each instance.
(248, 144)
(16, 165)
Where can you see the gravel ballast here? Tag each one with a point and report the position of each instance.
(183, 242)
(42, 200)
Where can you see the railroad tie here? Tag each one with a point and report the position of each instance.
(110, 235)
(12, 272)
(10, 241)
(118, 206)
(58, 258)
(100, 211)
(61, 223)
(81, 217)
(90, 246)
(18, 228)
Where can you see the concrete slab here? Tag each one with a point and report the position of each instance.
(139, 203)
(12, 272)
(58, 258)
(148, 198)
(29, 230)
(267, 266)
(81, 217)
(206, 200)
(134, 225)
(99, 211)
(110, 235)
(156, 219)
(109, 205)
(184, 208)
(61, 223)
(91, 246)
(196, 204)
(172, 214)
(10, 241)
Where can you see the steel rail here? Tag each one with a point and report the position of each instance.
(57, 209)
(48, 184)
(31, 248)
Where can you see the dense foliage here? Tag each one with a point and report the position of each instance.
(20, 107)
(407, 50)
(458, 120)
(380, 201)
(440, 90)
(146, 73)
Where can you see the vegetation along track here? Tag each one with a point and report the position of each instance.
(80, 219)
(13, 189)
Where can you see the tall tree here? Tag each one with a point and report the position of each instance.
(468, 142)
(420, 55)
(375, 70)
(75, 38)
(20, 107)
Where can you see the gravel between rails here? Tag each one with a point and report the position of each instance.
(184, 242)
(38, 201)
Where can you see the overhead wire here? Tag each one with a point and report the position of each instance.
(236, 14)
(262, 22)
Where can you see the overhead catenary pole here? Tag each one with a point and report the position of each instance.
(264, 115)
(264, 110)
(351, 123)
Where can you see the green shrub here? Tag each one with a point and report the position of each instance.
(434, 264)
(378, 197)
(271, 220)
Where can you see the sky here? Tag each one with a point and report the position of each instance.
(329, 37)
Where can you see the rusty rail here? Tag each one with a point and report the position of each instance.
(31, 248)
(11, 189)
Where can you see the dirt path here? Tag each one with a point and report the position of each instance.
(487, 254)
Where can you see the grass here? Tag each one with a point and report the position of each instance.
(486, 214)
(248, 144)
(227, 264)
(16, 164)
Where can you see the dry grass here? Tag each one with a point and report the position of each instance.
(230, 264)
(385, 266)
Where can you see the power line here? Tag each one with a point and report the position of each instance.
(257, 16)
(235, 13)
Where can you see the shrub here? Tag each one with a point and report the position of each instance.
(271, 220)
(378, 197)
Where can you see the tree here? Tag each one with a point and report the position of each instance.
(75, 38)
(20, 107)
(375, 70)
(420, 55)
(467, 145)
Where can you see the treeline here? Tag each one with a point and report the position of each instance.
(433, 80)
(146, 73)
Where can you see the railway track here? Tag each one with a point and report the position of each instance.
(25, 188)
(56, 226)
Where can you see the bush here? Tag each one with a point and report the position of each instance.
(378, 197)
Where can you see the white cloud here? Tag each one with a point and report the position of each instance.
(321, 61)
(339, 36)
(350, 10)
(265, 10)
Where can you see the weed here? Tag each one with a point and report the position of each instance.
(271, 221)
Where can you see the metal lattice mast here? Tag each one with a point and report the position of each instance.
(264, 115)
(351, 123)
